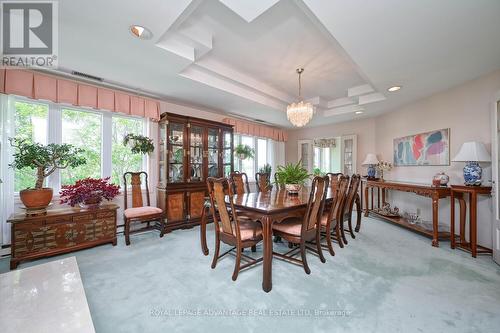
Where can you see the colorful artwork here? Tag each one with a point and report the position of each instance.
(431, 148)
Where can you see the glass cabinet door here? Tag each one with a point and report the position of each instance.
(196, 154)
(176, 152)
(213, 152)
(163, 154)
(227, 156)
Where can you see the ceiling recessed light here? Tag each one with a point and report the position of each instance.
(358, 112)
(393, 89)
(140, 32)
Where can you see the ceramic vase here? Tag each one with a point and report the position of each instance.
(472, 173)
(371, 171)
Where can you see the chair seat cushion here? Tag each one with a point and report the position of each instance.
(291, 226)
(249, 230)
(135, 212)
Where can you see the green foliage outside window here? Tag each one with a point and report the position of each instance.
(123, 159)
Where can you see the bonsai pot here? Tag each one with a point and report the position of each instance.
(92, 203)
(293, 188)
(36, 198)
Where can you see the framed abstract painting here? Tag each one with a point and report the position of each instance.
(429, 148)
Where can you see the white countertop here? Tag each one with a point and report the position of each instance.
(44, 298)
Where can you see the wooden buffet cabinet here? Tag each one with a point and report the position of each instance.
(191, 149)
(60, 230)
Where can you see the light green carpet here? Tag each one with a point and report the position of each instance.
(386, 280)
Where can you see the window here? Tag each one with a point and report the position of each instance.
(82, 129)
(122, 158)
(247, 165)
(31, 123)
(251, 165)
(261, 153)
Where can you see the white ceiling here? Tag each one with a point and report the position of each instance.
(240, 57)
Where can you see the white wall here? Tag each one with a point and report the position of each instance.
(465, 109)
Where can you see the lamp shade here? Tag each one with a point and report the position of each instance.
(370, 159)
(472, 151)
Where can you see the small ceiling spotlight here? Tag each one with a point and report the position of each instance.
(141, 32)
(359, 112)
(393, 89)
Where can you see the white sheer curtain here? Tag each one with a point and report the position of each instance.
(275, 154)
(6, 173)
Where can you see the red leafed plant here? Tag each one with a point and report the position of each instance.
(89, 191)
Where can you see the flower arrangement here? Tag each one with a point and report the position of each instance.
(89, 192)
(383, 166)
(139, 144)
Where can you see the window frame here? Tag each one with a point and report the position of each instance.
(238, 164)
(54, 130)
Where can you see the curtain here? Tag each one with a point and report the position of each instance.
(6, 173)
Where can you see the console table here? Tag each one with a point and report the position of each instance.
(59, 231)
(433, 192)
(459, 192)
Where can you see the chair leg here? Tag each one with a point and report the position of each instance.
(237, 264)
(162, 226)
(358, 214)
(217, 248)
(127, 232)
(329, 243)
(349, 223)
(318, 247)
(303, 255)
(254, 248)
(342, 231)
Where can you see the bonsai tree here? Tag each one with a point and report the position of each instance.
(45, 159)
(139, 144)
(244, 151)
(291, 174)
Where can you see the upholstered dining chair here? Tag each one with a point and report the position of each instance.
(154, 217)
(303, 230)
(352, 195)
(239, 182)
(230, 229)
(263, 181)
(335, 214)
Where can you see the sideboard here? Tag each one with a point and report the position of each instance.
(59, 231)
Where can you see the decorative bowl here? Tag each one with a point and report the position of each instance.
(293, 188)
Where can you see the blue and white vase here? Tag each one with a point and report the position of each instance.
(472, 173)
(371, 171)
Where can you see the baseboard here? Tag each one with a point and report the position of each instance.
(5, 251)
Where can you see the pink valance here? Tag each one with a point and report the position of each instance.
(52, 88)
(249, 128)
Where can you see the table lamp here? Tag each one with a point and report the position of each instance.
(371, 161)
(472, 153)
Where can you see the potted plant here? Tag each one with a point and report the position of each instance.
(46, 160)
(244, 151)
(139, 144)
(318, 172)
(89, 192)
(292, 177)
(266, 169)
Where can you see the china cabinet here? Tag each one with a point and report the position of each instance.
(191, 149)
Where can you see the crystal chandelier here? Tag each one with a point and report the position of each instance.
(300, 113)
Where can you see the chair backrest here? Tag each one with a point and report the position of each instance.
(136, 179)
(217, 191)
(339, 199)
(353, 189)
(334, 182)
(315, 204)
(263, 181)
(239, 181)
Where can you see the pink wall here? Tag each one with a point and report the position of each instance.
(465, 109)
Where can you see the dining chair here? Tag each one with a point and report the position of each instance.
(230, 229)
(349, 205)
(335, 214)
(239, 181)
(139, 212)
(263, 181)
(303, 230)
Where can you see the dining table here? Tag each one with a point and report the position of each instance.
(268, 208)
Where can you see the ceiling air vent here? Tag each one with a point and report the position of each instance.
(87, 76)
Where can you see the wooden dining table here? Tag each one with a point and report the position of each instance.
(268, 208)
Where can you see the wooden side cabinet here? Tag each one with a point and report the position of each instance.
(60, 231)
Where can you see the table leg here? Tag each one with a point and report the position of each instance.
(435, 221)
(378, 197)
(267, 235)
(473, 223)
(203, 231)
(463, 208)
(452, 220)
(366, 201)
(383, 197)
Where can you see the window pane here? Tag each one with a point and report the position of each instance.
(247, 165)
(325, 159)
(83, 130)
(122, 158)
(262, 152)
(31, 123)
(317, 158)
